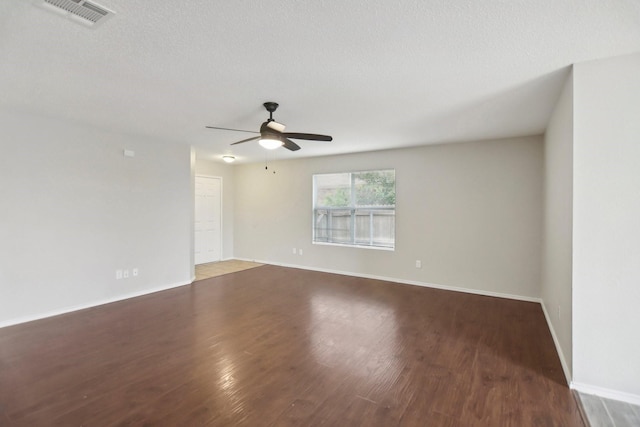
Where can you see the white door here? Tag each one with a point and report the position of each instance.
(208, 237)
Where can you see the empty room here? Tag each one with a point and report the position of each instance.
(309, 213)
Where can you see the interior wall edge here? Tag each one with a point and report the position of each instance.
(556, 342)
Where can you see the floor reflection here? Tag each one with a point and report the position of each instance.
(357, 337)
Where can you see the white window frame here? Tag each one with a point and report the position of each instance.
(354, 212)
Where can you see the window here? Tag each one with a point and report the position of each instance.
(355, 208)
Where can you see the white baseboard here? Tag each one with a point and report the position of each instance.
(403, 281)
(97, 303)
(607, 393)
(563, 360)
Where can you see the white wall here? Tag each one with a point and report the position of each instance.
(192, 227)
(606, 224)
(74, 210)
(469, 211)
(556, 280)
(226, 172)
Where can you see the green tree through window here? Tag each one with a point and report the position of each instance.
(376, 188)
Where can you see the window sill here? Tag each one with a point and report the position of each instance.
(346, 245)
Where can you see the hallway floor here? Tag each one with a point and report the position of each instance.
(218, 268)
(603, 412)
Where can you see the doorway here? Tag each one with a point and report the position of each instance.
(208, 219)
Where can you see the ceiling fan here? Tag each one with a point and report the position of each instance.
(272, 134)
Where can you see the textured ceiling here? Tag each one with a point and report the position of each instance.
(375, 74)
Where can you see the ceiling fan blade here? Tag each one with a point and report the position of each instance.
(290, 145)
(276, 126)
(307, 136)
(246, 140)
(235, 130)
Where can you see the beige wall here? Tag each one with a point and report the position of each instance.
(606, 226)
(556, 279)
(469, 211)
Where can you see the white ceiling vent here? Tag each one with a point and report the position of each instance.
(81, 11)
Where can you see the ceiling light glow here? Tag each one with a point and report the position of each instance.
(270, 143)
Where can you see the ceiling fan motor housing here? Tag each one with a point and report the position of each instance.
(271, 106)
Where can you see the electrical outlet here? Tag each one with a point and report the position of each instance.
(294, 251)
(418, 263)
(300, 251)
(118, 274)
(134, 272)
(125, 274)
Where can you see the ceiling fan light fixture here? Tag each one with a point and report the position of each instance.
(272, 135)
(270, 143)
(229, 159)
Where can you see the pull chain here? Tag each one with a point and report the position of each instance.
(266, 162)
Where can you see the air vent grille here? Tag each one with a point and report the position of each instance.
(83, 11)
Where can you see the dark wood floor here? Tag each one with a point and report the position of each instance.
(273, 346)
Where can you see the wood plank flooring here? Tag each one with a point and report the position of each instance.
(274, 346)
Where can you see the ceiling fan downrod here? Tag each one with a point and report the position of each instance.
(271, 107)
